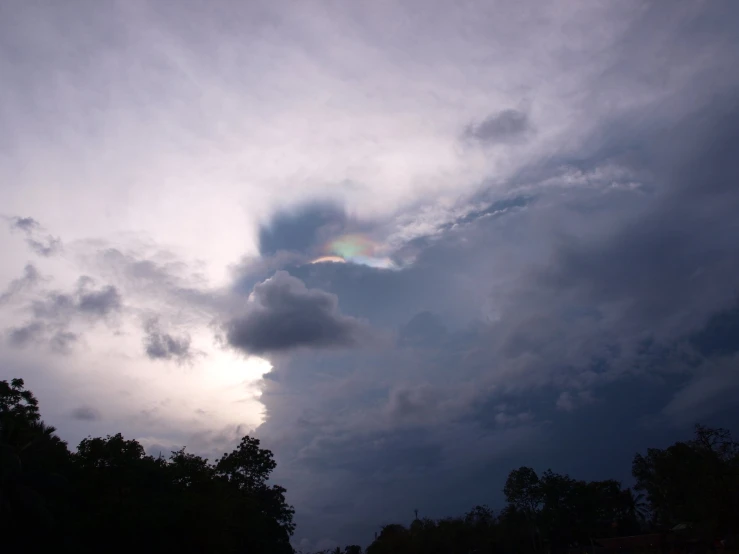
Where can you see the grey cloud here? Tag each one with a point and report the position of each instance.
(85, 413)
(406, 402)
(42, 244)
(569, 401)
(56, 311)
(503, 127)
(37, 332)
(100, 303)
(282, 314)
(504, 419)
(377, 454)
(163, 346)
(62, 341)
(62, 307)
(423, 328)
(30, 278)
(676, 261)
(565, 402)
(712, 386)
(45, 246)
(164, 277)
(55, 305)
(20, 337)
(719, 336)
(25, 224)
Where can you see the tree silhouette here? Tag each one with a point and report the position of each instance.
(694, 482)
(110, 496)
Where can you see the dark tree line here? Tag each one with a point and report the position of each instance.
(690, 489)
(109, 496)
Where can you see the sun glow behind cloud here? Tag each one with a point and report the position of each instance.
(232, 382)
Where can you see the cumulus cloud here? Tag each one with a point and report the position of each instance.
(283, 314)
(164, 346)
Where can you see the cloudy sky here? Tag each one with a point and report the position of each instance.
(409, 245)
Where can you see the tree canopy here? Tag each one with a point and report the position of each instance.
(110, 496)
(688, 491)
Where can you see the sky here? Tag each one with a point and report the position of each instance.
(409, 245)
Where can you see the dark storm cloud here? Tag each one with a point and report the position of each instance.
(30, 278)
(408, 402)
(164, 346)
(677, 261)
(503, 127)
(379, 453)
(424, 328)
(283, 314)
(301, 229)
(608, 296)
(85, 413)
